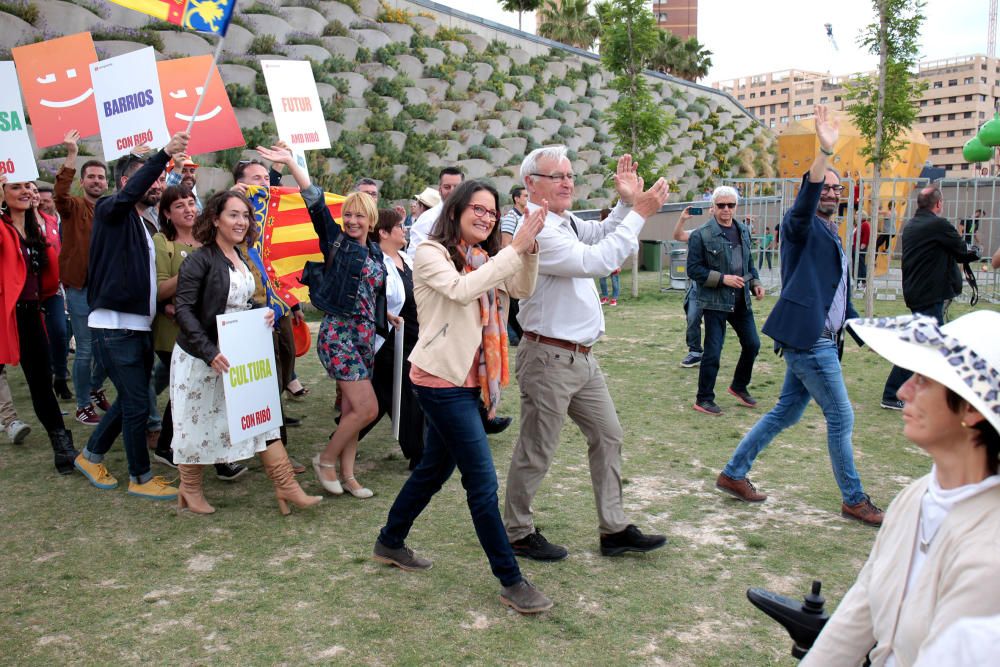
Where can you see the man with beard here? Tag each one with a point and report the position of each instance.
(122, 294)
(77, 215)
(807, 326)
(187, 176)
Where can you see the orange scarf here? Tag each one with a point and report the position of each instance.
(493, 371)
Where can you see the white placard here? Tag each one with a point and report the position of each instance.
(295, 104)
(397, 379)
(129, 103)
(17, 162)
(253, 404)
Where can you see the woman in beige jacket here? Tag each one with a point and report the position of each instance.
(937, 556)
(460, 358)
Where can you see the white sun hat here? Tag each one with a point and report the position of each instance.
(963, 355)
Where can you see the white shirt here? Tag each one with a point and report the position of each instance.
(421, 229)
(934, 509)
(395, 290)
(565, 304)
(105, 318)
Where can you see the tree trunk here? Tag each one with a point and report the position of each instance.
(877, 154)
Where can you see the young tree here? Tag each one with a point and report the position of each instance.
(569, 22)
(886, 106)
(520, 6)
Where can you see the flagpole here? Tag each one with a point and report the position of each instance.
(208, 79)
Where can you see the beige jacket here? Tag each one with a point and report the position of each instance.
(961, 577)
(451, 329)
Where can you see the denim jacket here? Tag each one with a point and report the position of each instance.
(336, 291)
(710, 258)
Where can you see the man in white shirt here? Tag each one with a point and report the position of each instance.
(449, 179)
(556, 372)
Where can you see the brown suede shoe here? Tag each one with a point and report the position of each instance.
(866, 512)
(739, 488)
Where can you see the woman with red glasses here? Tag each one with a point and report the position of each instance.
(461, 358)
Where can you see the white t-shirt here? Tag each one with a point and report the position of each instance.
(105, 318)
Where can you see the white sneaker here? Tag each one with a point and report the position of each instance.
(17, 431)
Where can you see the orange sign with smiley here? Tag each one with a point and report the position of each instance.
(55, 78)
(215, 128)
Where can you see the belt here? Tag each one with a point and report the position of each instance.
(557, 342)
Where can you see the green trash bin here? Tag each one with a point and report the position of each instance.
(651, 257)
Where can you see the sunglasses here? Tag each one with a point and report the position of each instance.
(482, 211)
(726, 204)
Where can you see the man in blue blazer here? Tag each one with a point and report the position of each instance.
(807, 326)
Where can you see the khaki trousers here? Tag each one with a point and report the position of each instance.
(555, 383)
(7, 412)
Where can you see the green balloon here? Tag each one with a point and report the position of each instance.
(989, 133)
(975, 151)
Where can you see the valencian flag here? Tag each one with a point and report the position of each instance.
(285, 241)
(211, 16)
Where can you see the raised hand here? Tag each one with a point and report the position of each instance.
(276, 153)
(71, 142)
(177, 144)
(650, 201)
(827, 127)
(531, 224)
(628, 184)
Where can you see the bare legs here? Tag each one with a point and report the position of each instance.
(359, 407)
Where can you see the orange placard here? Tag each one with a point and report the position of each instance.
(55, 78)
(215, 128)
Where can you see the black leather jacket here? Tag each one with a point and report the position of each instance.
(202, 293)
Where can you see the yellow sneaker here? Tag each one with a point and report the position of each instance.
(95, 472)
(158, 488)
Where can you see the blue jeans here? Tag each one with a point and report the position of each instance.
(897, 376)
(55, 327)
(813, 373)
(715, 336)
(128, 358)
(88, 371)
(616, 286)
(454, 436)
(693, 311)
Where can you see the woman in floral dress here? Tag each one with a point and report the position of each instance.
(213, 280)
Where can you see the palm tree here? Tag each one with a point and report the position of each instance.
(520, 6)
(569, 22)
(686, 59)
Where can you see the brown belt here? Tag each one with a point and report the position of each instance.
(557, 342)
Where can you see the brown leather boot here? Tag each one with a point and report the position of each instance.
(286, 489)
(190, 494)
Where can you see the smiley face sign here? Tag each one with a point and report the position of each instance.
(55, 78)
(215, 127)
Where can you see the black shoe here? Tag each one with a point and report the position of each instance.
(894, 404)
(536, 547)
(292, 422)
(64, 454)
(691, 360)
(630, 539)
(708, 407)
(229, 472)
(61, 389)
(166, 458)
(497, 425)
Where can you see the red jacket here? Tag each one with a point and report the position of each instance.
(13, 272)
(50, 277)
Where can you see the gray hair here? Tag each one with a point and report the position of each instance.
(530, 163)
(365, 181)
(725, 191)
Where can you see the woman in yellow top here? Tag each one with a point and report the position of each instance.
(172, 245)
(936, 558)
(460, 357)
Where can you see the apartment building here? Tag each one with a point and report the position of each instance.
(961, 95)
(678, 16)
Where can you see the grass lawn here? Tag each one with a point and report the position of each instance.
(99, 577)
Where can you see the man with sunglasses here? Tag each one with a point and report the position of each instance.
(556, 372)
(720, 263)
(807, 326)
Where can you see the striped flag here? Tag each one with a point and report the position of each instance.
(285, 241)
(210, 16)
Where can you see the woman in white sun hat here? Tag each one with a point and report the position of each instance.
(937, 557)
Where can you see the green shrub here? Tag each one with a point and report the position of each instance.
(259, 8)
(242, 97)
(478, 152)
(311, 4)
(561, 106)
(303, 38)
(336, 29)
(353, 4)
(526, 123)
(419, 111)
(489, 141)
(363, 55)
(147, 37)
(264, 44)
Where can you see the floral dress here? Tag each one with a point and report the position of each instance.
(346, 344)
(201, 428)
